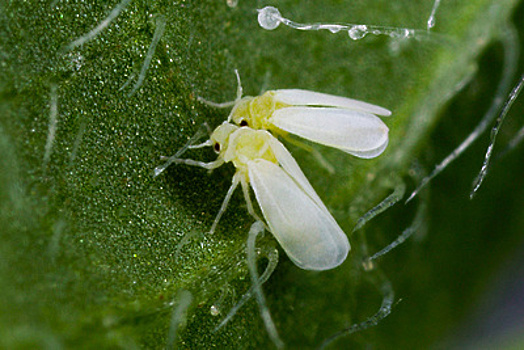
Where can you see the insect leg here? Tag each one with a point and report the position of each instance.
(239, 86)
(170, 160)
(225, 104)
(189, 145)
(201, 145)
(229, 103)
(247, 197)
(216, 104)
(234, 185)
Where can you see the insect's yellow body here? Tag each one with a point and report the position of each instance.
(255, 112)
(242, 145)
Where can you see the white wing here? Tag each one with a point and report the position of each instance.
(306, 231)
(358, 133)
(297, 97)
(290, 165)
(370, 153)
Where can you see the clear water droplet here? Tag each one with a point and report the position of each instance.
(431, 22)
(214, 310)
(333, 28)
(269, 17)
(358, 32)
(403, 33)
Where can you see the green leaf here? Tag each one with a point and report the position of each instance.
(96, 251)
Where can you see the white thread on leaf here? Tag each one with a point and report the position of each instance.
(388, 298)
(256, 229)
(159, 31)
(431, 18)
(51, 130)
(54, 243)
(514, 142)
(101, 26)
(418, 221)
(178, 317)
(387, 203)
(78, 141)
(511, 53)
(493, 137)
(272, 257)
(270, 18)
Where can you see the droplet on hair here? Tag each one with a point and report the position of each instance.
(232, 3)
(358, 32)
(214, 310)
(269, 17)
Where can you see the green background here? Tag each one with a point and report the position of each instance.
(95, 250)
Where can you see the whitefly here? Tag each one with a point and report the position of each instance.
(292, 210)
(349, 125)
